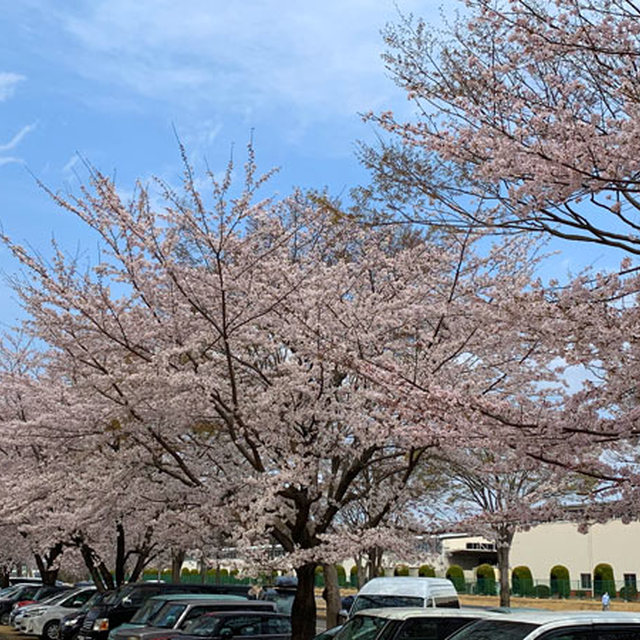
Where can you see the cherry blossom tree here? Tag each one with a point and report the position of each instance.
(265, 355)
(526, 120)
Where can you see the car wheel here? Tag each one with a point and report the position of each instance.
(4, 619)
(50, 631)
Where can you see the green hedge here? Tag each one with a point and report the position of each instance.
(426, 571)
(560, 584)
(522, 581)
(456, 575)
(603, 580)
(486, 580)
(401, 570)
(541, 591)
(628, 592)
(342, 575)
(353, 576)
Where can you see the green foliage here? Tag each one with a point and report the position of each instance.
(603, 580)
(628, 592)
(342, 575)
(541, 591)
(560, 581)
(319, 581)
(426, 571)
(353, 576)
(401, 570)
(486, 580)
(456, 575)
(522, 581)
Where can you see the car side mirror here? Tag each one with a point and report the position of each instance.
(77, 603)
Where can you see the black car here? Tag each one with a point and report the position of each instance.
(225, 625)
(121, 605)
(70, 624)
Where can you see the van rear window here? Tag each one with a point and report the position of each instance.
(375, 602)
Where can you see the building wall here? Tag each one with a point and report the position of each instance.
(546, 545)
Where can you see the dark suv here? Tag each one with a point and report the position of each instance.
(121, 605)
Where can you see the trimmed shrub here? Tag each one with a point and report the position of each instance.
(342, 575)
(603, 580)
(426, 571)
(541, 591)
(401, 570)
(319, 577)
(353, 576)
(559, 581)
(486, 580)
(456, 575)
(522, 581)
(628, 592)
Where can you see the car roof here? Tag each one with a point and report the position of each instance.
(254, 612)
(407, 586)
(198, 596)
(403, 613)
(562, 618)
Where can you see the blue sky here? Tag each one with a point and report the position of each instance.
(108, 80)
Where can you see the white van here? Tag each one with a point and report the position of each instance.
(406, 592)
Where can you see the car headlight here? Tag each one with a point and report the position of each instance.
(101, 624)
(34, 612)
(70, 623)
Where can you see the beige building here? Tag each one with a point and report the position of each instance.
(559, 543)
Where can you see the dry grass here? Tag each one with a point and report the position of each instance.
(554, 604)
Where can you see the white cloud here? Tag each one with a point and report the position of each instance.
(8, 82)
(17, 138)
(322, 59)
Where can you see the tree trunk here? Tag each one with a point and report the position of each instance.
(303, 613)
(120, 554)
(4, 576)
(331, 593)
(177, 559)
(45, 564)
(504, 540)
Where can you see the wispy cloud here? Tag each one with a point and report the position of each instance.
(17, 138)
(8, 83)
(320, 59)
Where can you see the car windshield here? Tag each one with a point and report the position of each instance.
(7, 591)
(168, 615)
(377, 602)
(494, 630)
(361, 628)
(117, 596)
(55, 598)
(95, 599)
(147, 611)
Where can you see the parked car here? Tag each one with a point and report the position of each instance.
(43, 593)
(23, 591)
(225, 625)
(282, 593)
(179, 614)
(399, 623)
(44, 619)
(123, 603)
(556, 625)
(24, 580)
(71, 624)
(406, 592)
(20, 609)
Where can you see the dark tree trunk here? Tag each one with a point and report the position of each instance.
(45, 564)
(331, 593)
(100, 575)
(120, 554)
(5, 571)
(177, 558)
(504, 540)
(303, 613)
